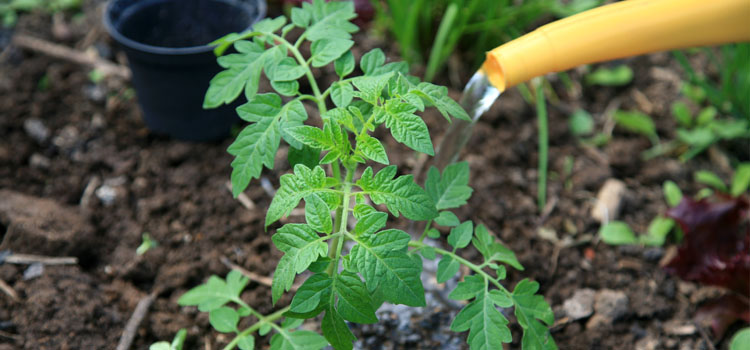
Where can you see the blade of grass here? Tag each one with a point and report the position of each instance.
(445, 27)
(541, 114)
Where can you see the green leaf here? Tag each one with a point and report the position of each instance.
(286, 88)
(294, 187)
(312, 294)
(344, 65)
(447, 268)
(437, 96)
(301, 17)
(286, 69)
(530, 308)
(617, 76)
(741, 180)
(242, 72)
(370, 223)
(708, 178)
(658, 230)
(468, 288)
(307, 156)
(636, 122)
(405, 126)
(301, 243)
(224, 319)
(371, 87)
(371, 61)
(706, 115)
(269, 25)
(215, 292)
(672, 193)
(617, 233)
(433, 233)
(483, 241)
(446, 218)
(258, 143)
(460, 235)
(451, 190)
(325, 51)
(371, 148)
(342, 94)
(400, 195)
(336, 331)
(740, 340)
(428, 252)
(682, 114)
(298, 340)
(179, 340)
(317, 214)
(501, 299)
(283, 277)
(354, 303)
(246, 343)
(162, 345)
(330, 20)
(382, 260)
(580, 123)
(486, 325)
(499, 252)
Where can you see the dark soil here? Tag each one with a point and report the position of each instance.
(176, 192)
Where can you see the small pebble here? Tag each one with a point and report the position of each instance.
(36, 129)
(33, 271)
(580, 305)
(653, 254)
(107, 194)
(39, 161)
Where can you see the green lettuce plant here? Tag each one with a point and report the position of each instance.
(383, 265)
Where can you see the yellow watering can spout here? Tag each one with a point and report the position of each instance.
(617, 30)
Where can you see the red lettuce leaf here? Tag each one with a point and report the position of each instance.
(716, 248)
(721, 313)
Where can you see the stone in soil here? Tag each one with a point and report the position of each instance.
(609, 305)
(580, 305)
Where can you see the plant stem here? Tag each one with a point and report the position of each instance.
(308, 72)
(270, 319)
(469, 264)
(426, 229)
(342, 216)
(541, 113)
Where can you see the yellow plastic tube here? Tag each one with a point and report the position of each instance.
(617, 30)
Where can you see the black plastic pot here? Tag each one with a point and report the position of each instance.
(165, 42)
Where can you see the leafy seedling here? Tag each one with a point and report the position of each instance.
(146, 244)
(617, 76)
(333, 173)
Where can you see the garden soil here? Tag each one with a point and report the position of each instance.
(69, 142)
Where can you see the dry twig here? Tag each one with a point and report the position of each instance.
(266, 281)
(243, 198)
(27, 259)
(135, 320)
(68, 54)
(7, 289)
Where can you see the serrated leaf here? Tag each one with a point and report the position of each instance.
(501, 299)
(371, 87)
(405, 126)
(286, 88)
(451, 190)
(437, 96)
(330, 20)
(214, 293)
(499, 252)
(342, 94)
(617, 233)
(224, 319)
(372, 148)
(354, 302)
(468, 288)
(306, 155)
(314, 292)
(400, 195)
(301, 17)
(301, 243)
(447, 268)
(269, 25)
(286, 69)
(370, 223)
(258, 143)
(529, 309)
(325, 51)
(336, 331)
(297, 340)
(247, 342)
(486, 325)
(242, 73)
(317, 214)
(344, 65)
(283, 277)
(382, 260)
(294, 187)
(672, 193)
(460, 235)
(371, 60)
(482, 241)
(446, 218)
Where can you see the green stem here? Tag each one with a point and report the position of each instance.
(469, 264)
(270, 319)
(424, 233)
(541, 113)
(342, 216)
(308, 72)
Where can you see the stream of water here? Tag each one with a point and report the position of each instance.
(477, 98)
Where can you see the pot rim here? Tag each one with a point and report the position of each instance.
(160, 50)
